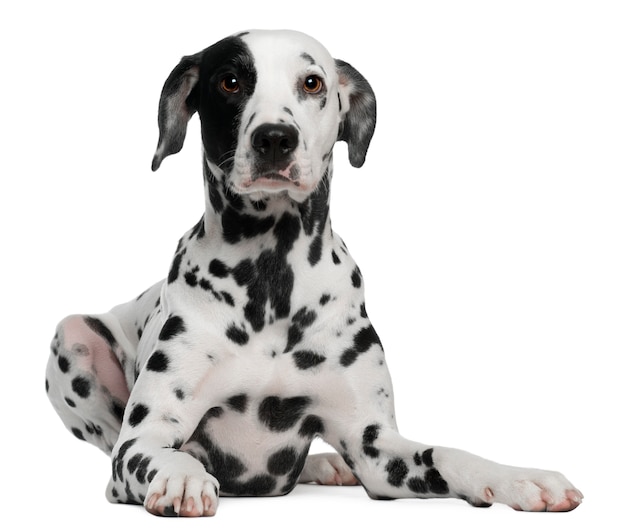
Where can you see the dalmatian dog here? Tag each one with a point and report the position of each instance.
(216, 380)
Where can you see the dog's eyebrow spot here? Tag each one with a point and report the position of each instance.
(308, 58)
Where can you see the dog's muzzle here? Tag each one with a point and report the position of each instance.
(273, 146)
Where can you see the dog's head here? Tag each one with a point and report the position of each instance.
(271, 106)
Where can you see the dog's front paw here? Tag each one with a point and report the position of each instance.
(182, 488)
(535, 490)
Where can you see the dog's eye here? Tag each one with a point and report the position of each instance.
(229, 84)
(313, 84)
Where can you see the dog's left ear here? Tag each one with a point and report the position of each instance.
(176, 107)
(358, 111)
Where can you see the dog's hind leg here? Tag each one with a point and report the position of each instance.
(85, 379)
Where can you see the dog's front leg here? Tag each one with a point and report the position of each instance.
(390, 466)
(166, 404)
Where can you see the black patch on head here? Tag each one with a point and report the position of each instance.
(307, 359)
(282, 414)
(336, 258)
(220, 111)
(397, 470)
(363, 340)
(81, 386)
(180, 394)
(138, 414)
(281, 462)
(158, 362)
(172, 328)
(324, 299)
(238, 402)
(356, 278)
(311, 426)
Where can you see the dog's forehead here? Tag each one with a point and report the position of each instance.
(286, 46)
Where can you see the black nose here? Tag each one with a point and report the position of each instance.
(274, 142)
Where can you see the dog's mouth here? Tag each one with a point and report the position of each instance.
(267, 177)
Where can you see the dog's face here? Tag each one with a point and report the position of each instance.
(271, 106)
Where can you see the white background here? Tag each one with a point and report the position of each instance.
(489, 223)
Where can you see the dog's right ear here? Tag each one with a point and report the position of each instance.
(176, 107)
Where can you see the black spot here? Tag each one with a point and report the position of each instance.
(237, 335)
(78, 434)
(324, 299)
(158, 362)
(117, 409)
(133, 462)
(315, 250)
(82, 387)
(336, 259)
(311, 426)
(101, 329)
(138, 414)
(175, 268)
(281, 414)
(417, 485)
(214, 413)
(363, 340)
(427, 457)
(397, 471)
(307, 359)
(70, 402)
(172, 327)
(282, 461)
(228, 299)
(237, 226)
(180, 394)
(64, 364)
(142, 470)
(417, 459)
(260, 485)
(218, 268)
(356, 278)
(301, 320)
(435, 482)
(118, 459)
(370, 434)
(191, 278)
(238, 402)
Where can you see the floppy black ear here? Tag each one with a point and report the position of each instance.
(175, 107)
(358, 110)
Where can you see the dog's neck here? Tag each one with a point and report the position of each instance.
(242, 219)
